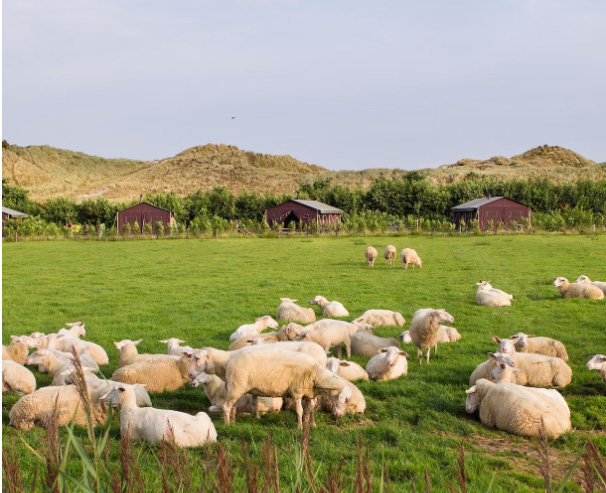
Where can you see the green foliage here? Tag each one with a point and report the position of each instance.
(159, 228)
(126, 229)
(148, 229)
(136, 228)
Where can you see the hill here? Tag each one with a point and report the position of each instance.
(49, 172)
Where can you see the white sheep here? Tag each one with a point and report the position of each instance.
(105, 386)
(87, 362)
(356, 403)
(174, 346)
(295, 313)
(266, 337)
(348, 370)
(270, 372)
(251, 330)
(483, 370)
(447, 334)
(410, 257)
(158, 375)
(371, 255)
(16, 378)
(329, 308)
(486, 295)
(76, 329)
(388, 364)
(390, 254)
(525, 343)
(329, 337)
(379, 318)
(425, 329)
(156, 425)
(367, 344)
(597, 362)
(519, 410)
(58, 367)
(577, 290)
(505, 371)
(130, 355)
(68, 343)
(17, 350)
(586, 280)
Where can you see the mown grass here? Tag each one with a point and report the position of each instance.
(201, 290)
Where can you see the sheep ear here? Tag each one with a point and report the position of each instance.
(187, 353)
(13, 337)
(138, 341)
(472, 390)
(404, 353)
(492, 355)
(250, 340)
(344, 363)
(384, 350)
(117, 344)
(603, 358)
(164, 341)
(181, 341)
(496, 339)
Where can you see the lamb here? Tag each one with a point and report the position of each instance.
(390, 363)
(486, 295)
(291, 331)
(519, 410)
(17, 379)
(379, 318)
(174, 346)
(270, 372)
(141, 394)
(371, 255)
(586, 280)
(67, 343)
(129, 354)
(410, 257)
(328, 337)
(577, 290)
(214, 388)
(87, 362)
(76, 329)
(329, 308)
(156, 425)
(348, 370)
(390, 254)
(447, 334)
(504, 371)
(158, 375)
(267, 338)
(540, 345)
(16, 351)
(597, 362)
(484, 370)
(425, 329)
(367, 344)
(295, 313)
(58, 367)
(251, 330)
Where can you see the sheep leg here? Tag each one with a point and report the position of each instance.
(347, 350)
(339, 351)
(420, 355)
(428, 354)
(299, 407)
(233, 413)
(255, 401)
(227, 407)
(310, 411)
(435, 350)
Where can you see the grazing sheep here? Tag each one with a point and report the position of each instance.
(156, 425)
(295, 313)
(329, 308)
(348, 370)
(16, 378)
(390, 254)
(356, 404)
(251, 330)
(371, 255)
(577, 290)
(158, 375)
(586, 280)
(367, 344)
(76, 329)
(214, 388)
(174, 346)
(130, 355)
(267, 337)
(379, 318)
(597, 362)
(541, 345)
(425, 329)
(410, 257)
(519, 410)
(16, 351)
(486, 295)
(58, 367)
(329, 337)
(270, 372)
(390, 363)
(447, 334)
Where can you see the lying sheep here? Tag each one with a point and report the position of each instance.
(16, 378)
(76, 329)
(379, 318)
(371, 255)
(390, 363)
(295, 313)
(174, 346)
(214, 388)
(367, 344)
(267, 337)
(105, 386)
(586, 280)
(270, 372)
(348, 370)
(597, 362)
(409, 257)
(390, 254)
(541, 345)
(505, 372)
(158, 375)
(130, 355)
(58, 367)
(577, 290)
(519, 410)
(329, 308)
(291, 331)
(425, 329)
(68, 343)
(16, 351)
(251, 330)
(87, 362)
(484, 370)
(486, 295)
(329, 337)
(156, 425)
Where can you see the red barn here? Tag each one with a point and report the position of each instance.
(304, 211)
(144, 213)
(495, 209)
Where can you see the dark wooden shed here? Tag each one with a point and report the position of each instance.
(304, 211)
(144, 213)
(496, 209)
(11, 214)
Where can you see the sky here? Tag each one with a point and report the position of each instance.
(344, 84)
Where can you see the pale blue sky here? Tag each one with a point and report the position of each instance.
(343, 84)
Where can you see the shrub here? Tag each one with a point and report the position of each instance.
(136, 228)
(159, 229)
(148, 229)
(126, 229)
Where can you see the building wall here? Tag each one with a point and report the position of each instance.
(284, 213)
(143, 214)
(504, 210)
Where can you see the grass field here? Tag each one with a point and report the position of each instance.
(201, 290)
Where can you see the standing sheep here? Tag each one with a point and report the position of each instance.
(329, 308)
(390, 254)
(251, 330)
(410, 257)
(370, 255)
(577, 290)
(447, 334)
(295, 313)
(586, 280)
(156, 375)
(329, 337)
(597, 362)
(367, 344)
(348, 370)
(390, 363)
(425, 329)
(17, 379)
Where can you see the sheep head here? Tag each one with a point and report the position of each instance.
(506, 346)
(596, 362)
(583, 280)
(392, 354)
(559, 281)
(340, 400)
(405, 337)
(472, 402)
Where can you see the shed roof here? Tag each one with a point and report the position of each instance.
(13, 212)
(146, 203)
(472, 205)
(319, 206)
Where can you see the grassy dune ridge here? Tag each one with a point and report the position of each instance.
(202, 290)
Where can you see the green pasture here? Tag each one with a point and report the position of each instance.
(202, 290)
